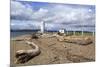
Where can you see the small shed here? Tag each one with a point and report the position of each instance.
(62, 31)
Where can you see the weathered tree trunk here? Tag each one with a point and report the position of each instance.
(25, 55)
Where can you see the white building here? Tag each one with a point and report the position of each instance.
(62, 31)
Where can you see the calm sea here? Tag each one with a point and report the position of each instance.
(19, 33)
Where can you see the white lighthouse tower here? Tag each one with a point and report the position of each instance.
(42, 26)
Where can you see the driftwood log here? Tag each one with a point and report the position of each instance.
(76, 39)
(23, 56)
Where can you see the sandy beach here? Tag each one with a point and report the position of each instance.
(54, 51)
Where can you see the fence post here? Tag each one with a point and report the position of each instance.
(67, 32)
(93, 33)
(82, 32)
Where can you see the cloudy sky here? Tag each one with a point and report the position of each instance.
(28, 15)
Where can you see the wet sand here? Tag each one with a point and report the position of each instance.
(54, 51)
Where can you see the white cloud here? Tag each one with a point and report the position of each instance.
(17, 24)
(68, 14)
(40, 14)
(58, 14)
(20, 10)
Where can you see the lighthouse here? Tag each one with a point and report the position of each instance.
(42, 26)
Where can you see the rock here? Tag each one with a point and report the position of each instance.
(34, 36)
